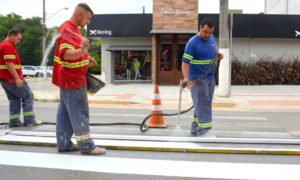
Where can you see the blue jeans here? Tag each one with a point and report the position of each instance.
(73, 117)
(19, 96)
(202, 95)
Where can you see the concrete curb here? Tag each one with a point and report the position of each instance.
(90, 101)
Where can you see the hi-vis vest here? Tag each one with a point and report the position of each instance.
(8, 53)
(69, 74)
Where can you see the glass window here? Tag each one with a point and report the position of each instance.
(132, 65)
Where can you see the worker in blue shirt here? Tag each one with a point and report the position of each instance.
(198, 69)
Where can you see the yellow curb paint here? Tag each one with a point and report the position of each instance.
(202, 150)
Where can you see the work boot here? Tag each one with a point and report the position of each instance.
(15, 124)
(194, 129)
(96, 151)
(73, 147)
(34, 123)
(203, 132)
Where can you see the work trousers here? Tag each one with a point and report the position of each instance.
(202, 95)
(73, 117)
(19, 96)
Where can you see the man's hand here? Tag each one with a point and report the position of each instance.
(185, 82)
(92, 62)
(85, 45)
(19, 82)
(220, 56)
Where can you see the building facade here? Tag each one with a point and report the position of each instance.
(141, 48)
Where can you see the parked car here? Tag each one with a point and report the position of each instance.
(36, 71)
(41, 70)
(30, 71)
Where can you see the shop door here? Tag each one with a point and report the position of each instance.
(166, 60)
(171, 49)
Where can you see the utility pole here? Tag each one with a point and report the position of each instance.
(225, 64)
(44, 38)
(143, 9)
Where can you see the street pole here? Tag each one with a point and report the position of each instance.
(225, 64)
(44, 39)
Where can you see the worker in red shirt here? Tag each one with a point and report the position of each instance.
(71, 62)
(15, 87)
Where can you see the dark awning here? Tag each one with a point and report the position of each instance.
(174, 31)
(129, 48)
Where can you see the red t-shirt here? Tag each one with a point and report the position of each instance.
(69, 74)
(8, 53)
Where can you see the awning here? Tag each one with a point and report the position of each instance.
(129, 48)
(173, 31)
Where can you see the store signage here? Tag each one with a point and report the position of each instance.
(100, 32)
(177, 11)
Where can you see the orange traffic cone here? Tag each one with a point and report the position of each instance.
(156, 121)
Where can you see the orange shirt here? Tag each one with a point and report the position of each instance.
(9, 53)
(69, 74)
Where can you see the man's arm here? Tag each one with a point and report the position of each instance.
(72, 54)
(13, 72)
(185, 73)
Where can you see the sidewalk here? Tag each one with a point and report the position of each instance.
(271, 98)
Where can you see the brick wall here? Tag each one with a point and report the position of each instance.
(175, 14)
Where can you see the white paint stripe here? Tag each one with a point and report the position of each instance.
(190, 116)
(156, 96)
(155, 141)
(156, 107)
(151, 167)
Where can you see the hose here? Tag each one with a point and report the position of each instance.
(143, 126)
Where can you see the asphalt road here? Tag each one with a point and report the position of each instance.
(225, 123)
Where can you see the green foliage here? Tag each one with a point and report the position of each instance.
(30, 48)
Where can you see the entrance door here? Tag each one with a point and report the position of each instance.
(170, 51)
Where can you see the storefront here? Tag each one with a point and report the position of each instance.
(147, 48)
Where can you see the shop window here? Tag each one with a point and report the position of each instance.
(132, 65)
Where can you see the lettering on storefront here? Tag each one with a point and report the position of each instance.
(100, 32)
(171, 11)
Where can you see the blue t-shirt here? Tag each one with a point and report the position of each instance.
(200, 55)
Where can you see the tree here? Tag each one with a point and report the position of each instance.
(30, 48)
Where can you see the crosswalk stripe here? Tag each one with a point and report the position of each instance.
(171, 168)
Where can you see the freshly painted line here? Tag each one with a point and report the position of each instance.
(170, 138)
(157, 146)
(170, 168)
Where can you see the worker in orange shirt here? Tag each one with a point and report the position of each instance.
(70, 66)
